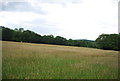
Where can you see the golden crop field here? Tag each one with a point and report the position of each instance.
(42, 61)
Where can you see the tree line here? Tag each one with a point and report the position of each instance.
(104, 41)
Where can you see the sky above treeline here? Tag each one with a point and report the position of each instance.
(75, 19)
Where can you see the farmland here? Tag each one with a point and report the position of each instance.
(43, 61)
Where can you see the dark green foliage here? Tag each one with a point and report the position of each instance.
(0, 32)
(60, 40)
(48, 39)
(108, 41)
(7, 34)
(104, 41)
(119, 42)
(70, 42)
(21, 29)
(83, 43)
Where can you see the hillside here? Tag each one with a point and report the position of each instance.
(42, 61)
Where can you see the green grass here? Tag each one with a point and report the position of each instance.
(42, 61)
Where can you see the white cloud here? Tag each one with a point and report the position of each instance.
(84, 20)
(17, 17)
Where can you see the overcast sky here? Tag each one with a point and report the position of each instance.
(76, 19)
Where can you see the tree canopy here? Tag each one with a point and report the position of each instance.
(104, 41)
(108, 41)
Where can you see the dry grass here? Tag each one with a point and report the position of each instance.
(42, 61)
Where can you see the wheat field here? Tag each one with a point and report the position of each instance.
(43, 61)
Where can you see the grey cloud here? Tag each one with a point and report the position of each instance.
(25, 5)
(13, 0)
(42, 26)
(0, 6)
(60, 1)
(20, 7)
(48, 29)
(77, 1)
(39, 26)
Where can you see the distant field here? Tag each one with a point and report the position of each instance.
(42, 61)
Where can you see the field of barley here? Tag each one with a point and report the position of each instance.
(42, 61)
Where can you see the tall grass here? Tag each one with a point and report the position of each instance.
(42, 61)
